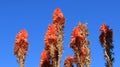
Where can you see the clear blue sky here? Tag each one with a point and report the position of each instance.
(36, 15)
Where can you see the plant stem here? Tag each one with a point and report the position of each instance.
(21, 62)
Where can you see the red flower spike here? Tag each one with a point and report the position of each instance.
(58, 18)
(44, 55)
(106, 37)
(79, 44)
(57, 13)
(45, 61)
(104, 28)
(50, 36)
(77, 37)
(21, 46)
(22, 35)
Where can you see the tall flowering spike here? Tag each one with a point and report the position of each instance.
(45, 60)
(106, 42)
(54, 38)
(51, 36)
(51, 42)
(69, 62)
(59, 20)
(79, 44)
(21, 46)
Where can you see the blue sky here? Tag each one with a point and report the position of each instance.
(36, 15)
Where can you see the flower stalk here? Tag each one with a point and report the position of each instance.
(21, 46)
(54, 38)
(58, 20)
(79, 44)
(106, 42)
(50, 43)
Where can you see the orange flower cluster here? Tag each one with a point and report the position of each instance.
(57, 14)
(50, 37)
(21, 43)
(104, 28)
(51, 41)
(22, 35)
(45, 61)
(69, 62)
(58, 18)
(77, 38)
(83, 53)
